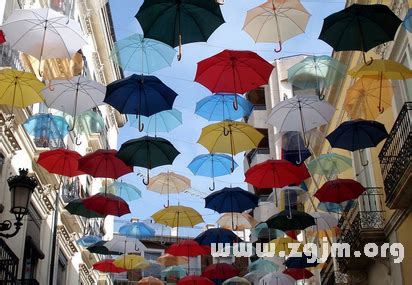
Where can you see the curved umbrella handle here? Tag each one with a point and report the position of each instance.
(78, 141)
(141, 125)
(74, 123)
(279, 49)
(179, 56)
(147, 181)
(225, 131)
(367, 62)
(381, 109)
(213, 186)
(321, 97)
(236, 104)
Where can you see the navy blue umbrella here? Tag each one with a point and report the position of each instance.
(140, 95)
(301, 261)
(231, 200)
(297, 157)
(357, 134)
(217, 235)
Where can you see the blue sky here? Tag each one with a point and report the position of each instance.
(180, 77)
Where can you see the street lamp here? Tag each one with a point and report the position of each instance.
(21, 187)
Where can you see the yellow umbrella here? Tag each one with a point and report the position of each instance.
(19, 89)
(171, 260)
(150, 280)
(131, 262)
(169, 182)
(384, 69)
(230, 137)
(282, 244)
(362, 98)
(236, 221)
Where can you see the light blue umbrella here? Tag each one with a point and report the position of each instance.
(136, 230)
(212, 165)
(46, 127)
(261, 231)
(138, 54)
(161, 122)
(124, 190)
(91, 121)
(175, 272)
(407, 22)
(337, 208)
(219, 107)
(263, 265)
(88, 240)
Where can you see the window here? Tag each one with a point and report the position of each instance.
(257, 98)
(61, 270)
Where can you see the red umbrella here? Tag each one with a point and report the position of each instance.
(194, 280)
(221, 271)
(339, 190)
(107, 266)
(60, 161)
(187, 248)
(107, 204)
(298, 273)
(104, 164)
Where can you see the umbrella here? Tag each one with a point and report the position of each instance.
(169, 182)
(43, 33)
(336, 208)
(229, 200)
(302, 260)
(276, 21)
(283, 246)
(236, 221)
(263, 265)
(290, 220)
(276, 278)
(173, 272)
(298, 274)
(230, 137)
(360, 27)
(407, 21)
(88, 240)
(19, 89)
(217, 235)
(293, 146)
(142, 95)
(236, 281)
(46, 127)
(76, 207)
(254, 276)
(290, 196)
(90, 122)
(262, 233)
(60, 161)
(220, 271)
(219, 107)
(130, 262)
(162, 122)
(138, 54)
(188, 248)
(324, 221)
(170, 260)
(107, 204)
(124, 190)
(179, 22)
(233, 71)
(136, 230)
(117, 246)
(211, 165)
(357, 135)
(367, 97)
(339, 190)
(148, 152)
(328, 164)
(150, 280)
(107, 266)
(194, 280)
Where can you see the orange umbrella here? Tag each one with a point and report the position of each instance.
(170, 260)
(150, 280)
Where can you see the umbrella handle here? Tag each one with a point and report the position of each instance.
(367, 62)
(364, 163)
(235, 104)
(146, 182)
(78, 141)
(321, 97)
(74, 123)
(213, 186)
(167, 205)
(141, 125)
(279, 49)
(381, 109)
(49, 86)
(225, 132)
(179, 56)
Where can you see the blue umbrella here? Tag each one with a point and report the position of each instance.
(88, 240)
(173, 272)
(219, 107)
(263, 232)
(407, 22)
(164, 121)
(124, 190)
(301, 261)
(217, 235)
(296, 157)
(229, 200)
(46, 127)
(263, 265)
(136, 230)
(336, 207)
(211, 165)
(142, 95)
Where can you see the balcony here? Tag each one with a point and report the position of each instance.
(8, 264)
(28, 282)
(395, 160)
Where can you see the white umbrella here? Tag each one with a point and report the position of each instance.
(236, 281)
(43, 33)
(276, 278)
(236, 221)
(125, 245)
(324, 221)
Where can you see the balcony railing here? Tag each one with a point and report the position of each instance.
(28, 282)
(8, 264)
(396, 155)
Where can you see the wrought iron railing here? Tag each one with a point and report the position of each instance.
(8, 264)
(396, 153)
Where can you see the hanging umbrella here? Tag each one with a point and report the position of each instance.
(162, 122)
(173, 272)
(254, 276)
(303, 260)
(171, 260)
(130, 262)
(360, 27)
(230, 137)
(276, 21)
(264, 234)
(188, 248)
(407, 21)
(124, 190)
(138, 54)
(88, 240)
(339, 190)
(294, 148)
(107, 204)
(147, 152)
(283, 244)
(194, 280)
(90, 122)
(276, 278)
(76, 207)
(117, 245)
(232, 200)
(169, 183)
(211, 165)
(219, 107)
(236, 281)
(150, 280)
(141, 95)
(19, 89)
(46, 127)
(337, 208)
(263, 265)
(179, 22)
(298, 274)
(217, 235)
(290, 220)
(43, 33)
(220, 271)
(60, 161)
(329, 164)
(136, 230)
(289, 196)
(324, 221)
(358, 134)
(74, 96)
(367, 97)
(236, 221)
(107, 266)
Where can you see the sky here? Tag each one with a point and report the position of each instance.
(180, 77)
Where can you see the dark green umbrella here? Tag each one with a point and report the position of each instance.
(290, 220)
(177, 22)
(147, 152)
(100, 248)
(76, 207)
(360, 27)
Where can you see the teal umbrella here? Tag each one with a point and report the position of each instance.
(138, 54)
(173, 272)
(263, 233)
(162, 122)
(90, 121)
(263, 265)
(124, 190)
(329, 164)
(46, 127)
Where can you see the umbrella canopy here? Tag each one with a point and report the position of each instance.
(169, 182)
(130, 262)
(188, 248)
(220, 271)
(88, 240)
(117, 245)
(107, 204)
(150, 280)
(337, 208)
(339, 190)
(43, 33)
(19, 89)
(276, 21)
(195, 280)
(231, 200)
(171, 260)
(104, 164)
(236, 221)
(217, 235)
(136, 230)
(324, 221)
(90, 122)
(290, 196)
(236, 281)
(76, 207)
(277, 278)
(298, 274)
(357, 134)
(262, 233)
(138, 54)
(107, 266)
(60, 161)
(263, 265)
(407, 21)
(124, 190)
(290, 220)
(46, 127)
(301, 261)
(162, 122)
(329, 164)
(282, 244)
(174, 272)
(219, 107)
(178, 216)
